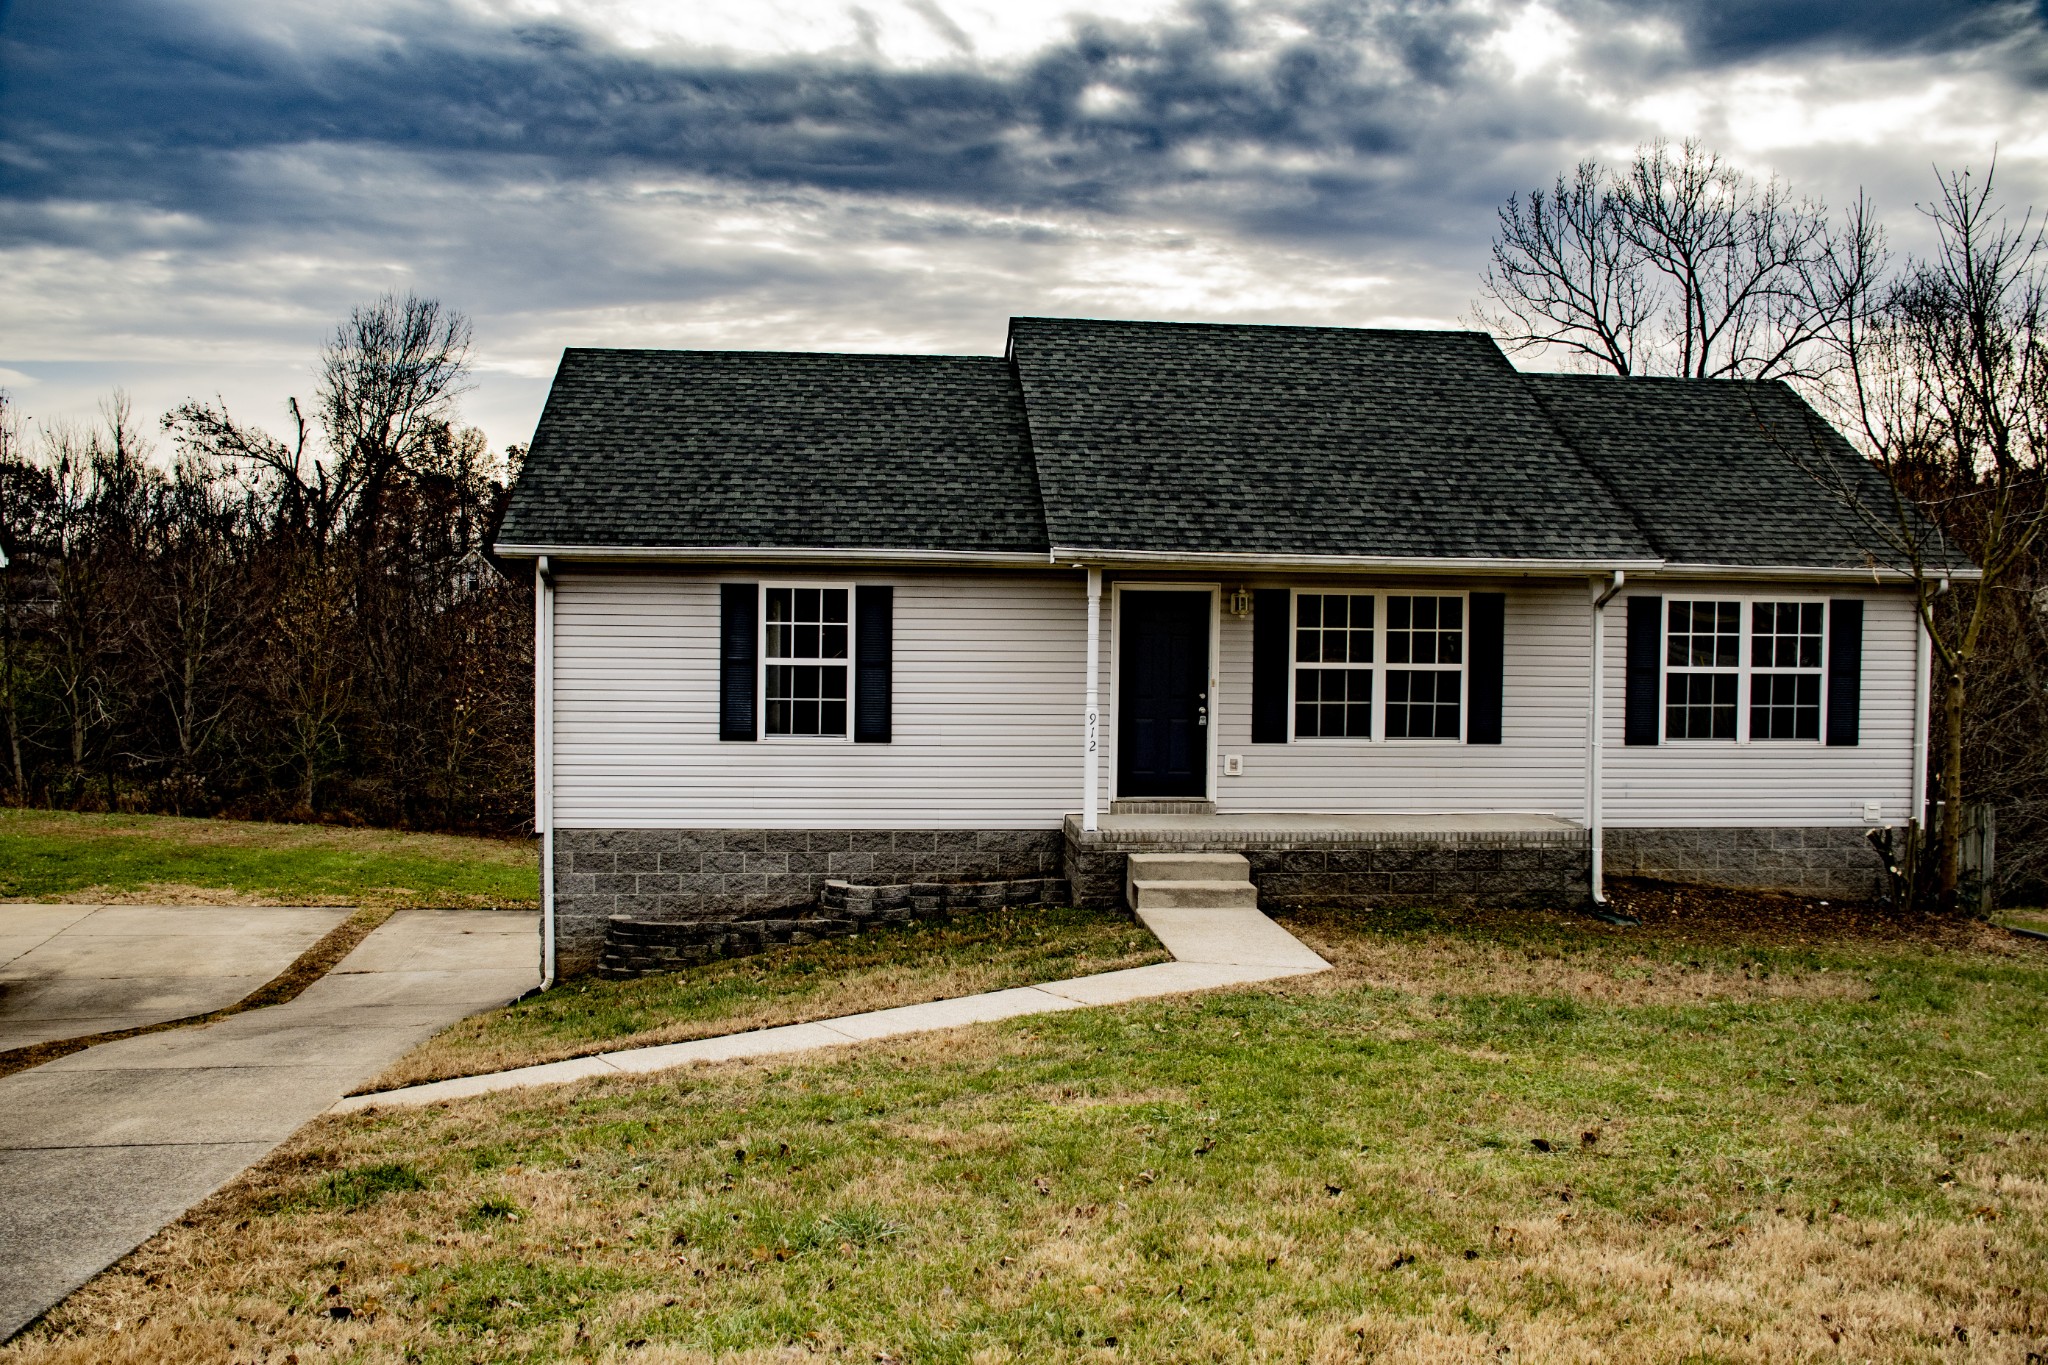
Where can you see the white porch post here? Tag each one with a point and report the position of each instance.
(1091, 750)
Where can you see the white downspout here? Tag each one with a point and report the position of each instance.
(1596, 722)
(1923, 693)
(1091, 798)
(544, 757)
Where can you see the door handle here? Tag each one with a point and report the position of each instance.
(1202, 716)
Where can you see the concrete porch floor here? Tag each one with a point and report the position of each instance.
(1296, 826)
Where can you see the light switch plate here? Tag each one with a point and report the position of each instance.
(1233, 765)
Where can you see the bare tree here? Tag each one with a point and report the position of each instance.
(1946, 380)
(96, 477)
(191, 616)
(25, 494)
(388, 383)
(300, 625)
(1675, 264)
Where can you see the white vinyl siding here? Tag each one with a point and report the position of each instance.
(988, 677)
(1768, 782)
(988, 686)
(1539, 765)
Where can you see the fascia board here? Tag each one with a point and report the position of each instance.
(1831, 574)
(1407, 563)
(768, 554)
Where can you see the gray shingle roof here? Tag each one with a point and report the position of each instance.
(762, 448)
(1302, 441)
(1184, 439)
(1722, 471)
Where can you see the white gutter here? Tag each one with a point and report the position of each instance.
(768, 554)
(1091, 796)
(1596, 724)
(1835, 574)
(1475, 564)
(544, 757)
(1419, 563)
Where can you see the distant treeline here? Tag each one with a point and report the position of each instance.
(211, 619)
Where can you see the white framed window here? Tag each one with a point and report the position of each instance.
(1379, 665)
(805, 658)
(1425, 666)
(1787, 646)
(1333, 664)
(1742, 669)
(1702, 668)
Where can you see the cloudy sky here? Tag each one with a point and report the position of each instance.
(193, 191)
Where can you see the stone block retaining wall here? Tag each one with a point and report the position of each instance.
(635, 948)
(699, 875)
(1816, 861)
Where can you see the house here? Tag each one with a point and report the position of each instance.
(1371, 606)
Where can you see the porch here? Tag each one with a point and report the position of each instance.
(1349, 861)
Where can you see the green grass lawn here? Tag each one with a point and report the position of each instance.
(51, 855)
(1479, 1137)
(896, 965)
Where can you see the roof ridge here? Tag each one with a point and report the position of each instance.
(772, 354)
(1165, 323)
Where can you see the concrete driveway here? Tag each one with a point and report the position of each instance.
(71, 970)
(100, 1149)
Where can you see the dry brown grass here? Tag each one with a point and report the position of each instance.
(1333, 1170)
(906, 965)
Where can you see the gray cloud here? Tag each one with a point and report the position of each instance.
(139, 102)
(1725, 31)
(201, 181)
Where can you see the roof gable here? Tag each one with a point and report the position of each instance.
(1173, 437)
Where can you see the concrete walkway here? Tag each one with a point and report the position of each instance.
(1211, 948)
(67, 971)
(101, 1148)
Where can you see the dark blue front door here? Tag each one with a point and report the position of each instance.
(1162, 738)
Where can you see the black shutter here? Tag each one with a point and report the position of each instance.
(874, 611)
(1270, 672)
(1645, 648)
(1845, 670)
(739, 610)
(1488, 661)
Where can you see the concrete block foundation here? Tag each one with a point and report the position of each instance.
(700, 876)
(706, 875)
(1351, 863)
(1822, 861)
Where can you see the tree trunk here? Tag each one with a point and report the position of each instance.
(1950, 855)
(14, 752)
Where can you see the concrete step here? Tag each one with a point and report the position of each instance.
(1190, 867)
(1193, 895)
(1157, 805)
